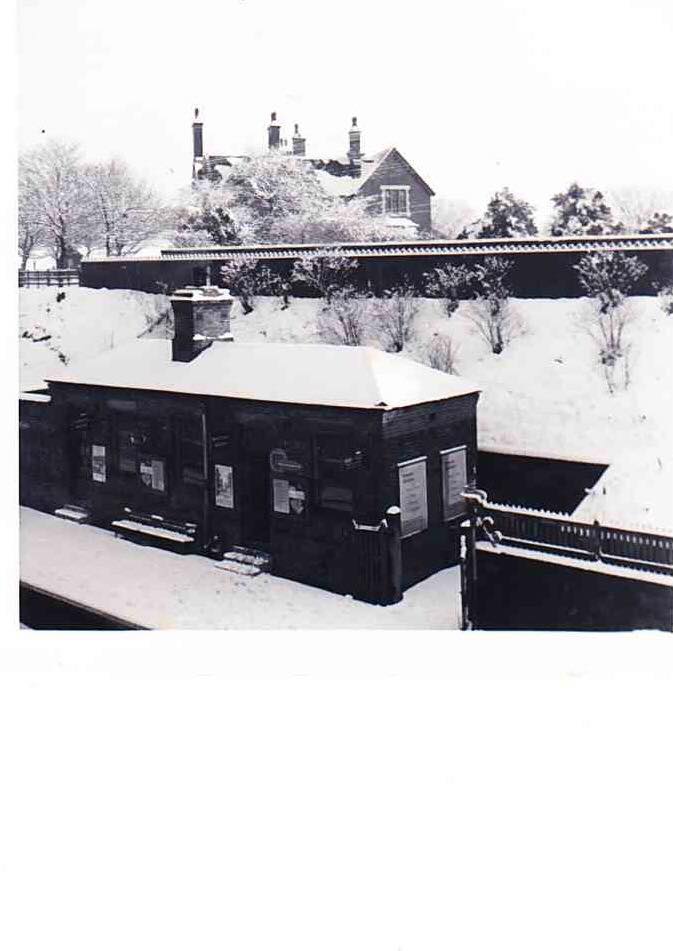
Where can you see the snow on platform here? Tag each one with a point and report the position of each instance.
(158, 589)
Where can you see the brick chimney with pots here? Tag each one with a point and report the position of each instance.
(298, 142)
(197, 135)
(354, 143)
(274, 133)
(201, 318)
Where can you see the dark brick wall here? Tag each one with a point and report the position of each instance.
(521, 594)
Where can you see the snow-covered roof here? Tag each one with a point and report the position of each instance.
(316, 374)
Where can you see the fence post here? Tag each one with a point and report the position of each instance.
(394, 535)
(596, 541)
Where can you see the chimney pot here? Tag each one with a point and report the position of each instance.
(274, 133)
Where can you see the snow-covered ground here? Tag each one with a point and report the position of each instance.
(163, 590)
(84, 323)
(545, 395)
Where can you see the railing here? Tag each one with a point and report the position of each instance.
(57, 278)
(560, 534)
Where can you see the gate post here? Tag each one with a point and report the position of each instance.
(394, 536)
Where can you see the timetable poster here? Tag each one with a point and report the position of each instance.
(413, 496)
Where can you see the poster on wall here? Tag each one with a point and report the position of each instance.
(281, 496)
(98, 473)
(297, 499)
(454, 480)
(224, 487)
(152, 474)
(158, 481)
(413, 496)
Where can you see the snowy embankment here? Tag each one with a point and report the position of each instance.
(83, 323)
(163, 590)
(545, 395)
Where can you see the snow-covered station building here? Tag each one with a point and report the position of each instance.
(393, 187)
(341, 467)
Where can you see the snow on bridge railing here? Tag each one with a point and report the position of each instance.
(648, 549)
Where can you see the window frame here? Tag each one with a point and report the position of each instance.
(397, 190)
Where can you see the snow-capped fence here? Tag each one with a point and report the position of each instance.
(57, 278)
(557, 533)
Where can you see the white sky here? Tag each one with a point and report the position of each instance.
(523, 93)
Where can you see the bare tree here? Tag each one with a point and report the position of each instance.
(127, 211)
(451, 217)
(448, 282)
(325, 273)
(441, 353)
(346, 319)
(31, 229)
(491, 313)
(52, 188)
(642, 208)
(395, 316)
(608, 278)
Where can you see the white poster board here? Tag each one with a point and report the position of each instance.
(224, 487)
(281, 496)
(454, 480)
(413, 496)
(98, 470)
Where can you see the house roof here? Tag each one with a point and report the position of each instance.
(344, 185)
(316, 374)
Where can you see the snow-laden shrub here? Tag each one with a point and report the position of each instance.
(395, 314)
(447, 283)
(491, 314)
(346, 319)
(325, 273)
(246, 279)
(665, 296)
(441, 353)
(608, 278)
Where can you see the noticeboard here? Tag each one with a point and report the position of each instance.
(224, 487)
(413, 496)
(98, 470)
(454, 480)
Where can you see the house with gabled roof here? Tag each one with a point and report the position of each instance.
(392, 186)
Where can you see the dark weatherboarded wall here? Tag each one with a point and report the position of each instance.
(535, 273)
(521, 594)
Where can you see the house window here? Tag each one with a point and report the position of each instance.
(395, 200)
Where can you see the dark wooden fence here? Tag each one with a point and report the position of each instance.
(560, 534)
(54, 278)
(376, 561)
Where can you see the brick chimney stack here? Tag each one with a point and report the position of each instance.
(197, 135)
(354, 149)
(298, 142)
(201, 317)
(274, 133)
